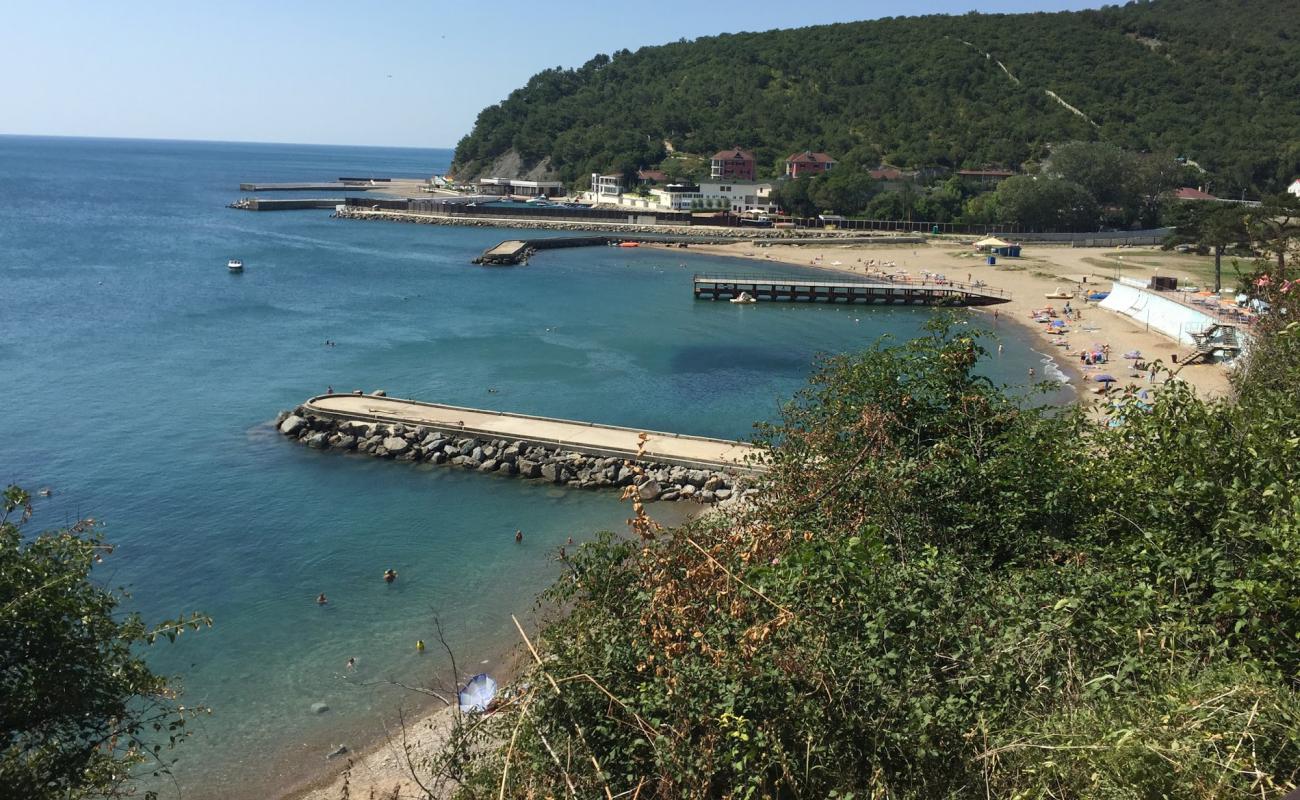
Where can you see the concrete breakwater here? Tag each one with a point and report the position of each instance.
(652, 480)
(779, 235)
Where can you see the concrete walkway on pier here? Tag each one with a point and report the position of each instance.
(584, 437)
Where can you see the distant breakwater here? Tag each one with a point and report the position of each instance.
(420, 444)
(785, 236)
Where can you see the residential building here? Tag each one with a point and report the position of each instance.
(606, 188)
(1188, 193)
(647, 177)
(985, 176)
(1294, 188)
(808, 163)
(734, 164)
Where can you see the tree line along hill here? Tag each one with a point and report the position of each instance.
(1210, 80)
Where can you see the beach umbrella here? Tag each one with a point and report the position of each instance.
(477, 694)
(1105, 377)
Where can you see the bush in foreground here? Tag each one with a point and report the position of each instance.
(943, 594)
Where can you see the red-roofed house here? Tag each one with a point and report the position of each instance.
(735, 164)
(651, 176)
(1188, 193)
(808, 163)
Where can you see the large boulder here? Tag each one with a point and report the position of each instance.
(319, 440)
(553, 472)
(292, 425)
(395, 444)
(649, 490)
(528, 469)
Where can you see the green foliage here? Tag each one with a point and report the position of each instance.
(944, 592)
(79, 709)
(1046, 204)
(1208, 80)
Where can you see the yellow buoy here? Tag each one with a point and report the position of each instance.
(419, 645)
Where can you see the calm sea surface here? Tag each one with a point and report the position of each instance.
(140, 378)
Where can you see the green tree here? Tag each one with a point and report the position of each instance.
(1213, 225)
(1046, 204)
(1102, 169)
(80, 710)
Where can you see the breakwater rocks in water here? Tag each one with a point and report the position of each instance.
(420, 444)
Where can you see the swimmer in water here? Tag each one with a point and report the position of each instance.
(419, 645)
(1031, 372)
(390, 575)
(519, 536)
(352, 662)
(320, 599)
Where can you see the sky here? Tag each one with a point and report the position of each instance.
(363, 72)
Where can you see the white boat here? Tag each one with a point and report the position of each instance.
(235, 265)
(743, 297)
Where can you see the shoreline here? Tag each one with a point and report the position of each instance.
(375, 767)
(1027, 282)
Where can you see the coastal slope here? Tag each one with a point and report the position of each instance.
(1211, 81)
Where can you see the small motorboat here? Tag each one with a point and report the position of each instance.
(235, 265)
(743, 298)
(1059, 294)
(629, 244)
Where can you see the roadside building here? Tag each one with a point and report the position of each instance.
(1294, 188)
(734, 164)
(808, 163)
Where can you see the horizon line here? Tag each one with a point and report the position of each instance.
(214, 141)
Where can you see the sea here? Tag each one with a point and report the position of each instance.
(141, 380)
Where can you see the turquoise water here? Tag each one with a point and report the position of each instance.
(140, 378)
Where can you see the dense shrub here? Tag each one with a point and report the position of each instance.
(943, 593)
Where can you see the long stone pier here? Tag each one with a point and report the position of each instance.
(658, 465)
(697, 452)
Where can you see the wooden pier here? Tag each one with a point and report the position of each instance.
(834, 290)
(695, 452)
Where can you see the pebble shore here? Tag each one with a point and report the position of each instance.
(419, 444)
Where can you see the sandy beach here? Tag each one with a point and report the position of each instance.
(1044, 269)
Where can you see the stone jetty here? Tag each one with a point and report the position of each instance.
(652, 480)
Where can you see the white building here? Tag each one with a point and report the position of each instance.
(1294, 188)
(737, 197)
(606, 188)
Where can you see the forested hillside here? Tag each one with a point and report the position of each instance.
(1212, 80)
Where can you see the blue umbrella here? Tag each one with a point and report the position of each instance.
(477, 694)
(1105, 378)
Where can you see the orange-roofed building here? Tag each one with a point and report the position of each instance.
(808, 163)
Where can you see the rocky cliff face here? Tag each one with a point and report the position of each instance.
(507, 165)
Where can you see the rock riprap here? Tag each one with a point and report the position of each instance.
(417, 443)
